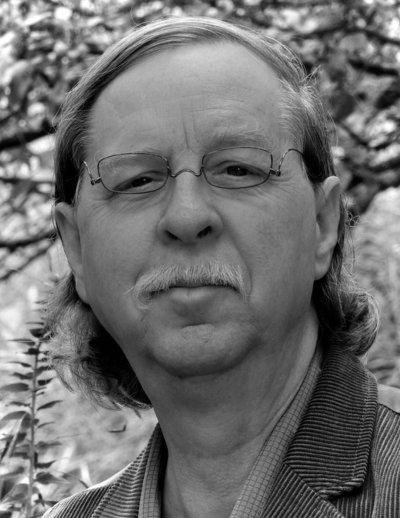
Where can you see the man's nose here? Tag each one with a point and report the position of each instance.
(190, 213)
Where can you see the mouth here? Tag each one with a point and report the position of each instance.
(186, 285)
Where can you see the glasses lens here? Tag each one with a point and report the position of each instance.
(236, 168)
(133, 173)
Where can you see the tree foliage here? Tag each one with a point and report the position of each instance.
(353, 46)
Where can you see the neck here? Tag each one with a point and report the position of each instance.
(216, 427)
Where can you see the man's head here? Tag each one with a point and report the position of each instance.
(197, 95)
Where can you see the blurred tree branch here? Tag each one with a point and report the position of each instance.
(374, 68)
(25, 136)
(17, 243)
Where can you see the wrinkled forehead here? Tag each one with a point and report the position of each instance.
(197, 98)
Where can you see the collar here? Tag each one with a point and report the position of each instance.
(327, 457)
(257, 487)
(329, 453)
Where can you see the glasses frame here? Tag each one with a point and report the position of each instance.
(276, 172)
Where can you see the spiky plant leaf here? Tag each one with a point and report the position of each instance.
(22, 364)
(50, 404)
(12, 416)
(33, 351)
(24, 341)
(37, 332)
(18, 403)
(15, 387)
(22, 376)
(44, 465)
(45, 477)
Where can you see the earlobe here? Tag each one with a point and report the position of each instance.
(328, 216)
(67, 225)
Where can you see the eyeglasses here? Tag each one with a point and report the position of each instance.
(227, 168)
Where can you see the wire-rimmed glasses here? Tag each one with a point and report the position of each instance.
(227, 168)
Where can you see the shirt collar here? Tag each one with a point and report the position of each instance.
(256, 490)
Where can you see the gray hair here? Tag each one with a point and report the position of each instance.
(82, 351)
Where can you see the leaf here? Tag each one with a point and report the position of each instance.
(20, 490)
(42, 383)
(18, 403)
(21, 376)
(343, 104)
(37, 332)
(14, 473)
(12, 416)
(44, 477)
(20, 437)
(23, 364)
(121, 430)
(43, 446)
(44, 465)
(21, 454)
(25, 341)
(27, 422)
(42, 369)
(23, 448)
(15, 387)
(17, 495)
(21, 78)
(50, 503)
(34, 351)
(45, 424)
(49, 404)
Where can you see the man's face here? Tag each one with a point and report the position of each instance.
(182, 104)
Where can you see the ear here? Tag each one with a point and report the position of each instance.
(328, 215)
(67, 225)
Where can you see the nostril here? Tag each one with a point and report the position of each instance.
(172, 236)
(204, 232)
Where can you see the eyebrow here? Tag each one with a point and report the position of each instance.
(241, 135)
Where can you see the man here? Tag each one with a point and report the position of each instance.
(202, 220)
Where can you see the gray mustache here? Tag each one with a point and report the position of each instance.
(164, 278)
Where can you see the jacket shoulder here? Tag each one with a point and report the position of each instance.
(385, 459)
(88, 502)
(82, 504)
(386, 443)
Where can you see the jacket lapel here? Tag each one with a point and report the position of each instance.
(327, 457)
(329, 453)
(294, 498)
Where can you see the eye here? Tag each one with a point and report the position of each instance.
(138, 181)
(142, 182)
(133, 173)
(240, 170)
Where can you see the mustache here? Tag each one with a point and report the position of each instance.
(163, 278)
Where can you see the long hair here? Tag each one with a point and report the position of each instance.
(82, 351)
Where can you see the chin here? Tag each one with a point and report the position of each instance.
(200, 350)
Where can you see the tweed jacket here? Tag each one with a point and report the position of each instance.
(343, 462)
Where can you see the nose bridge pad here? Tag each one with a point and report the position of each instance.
(174, 175)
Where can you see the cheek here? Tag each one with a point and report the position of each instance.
(281, 255)
(115, 248)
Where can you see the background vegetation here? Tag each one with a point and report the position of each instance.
(352, 46)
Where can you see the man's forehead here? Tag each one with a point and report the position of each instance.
(169, 96)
